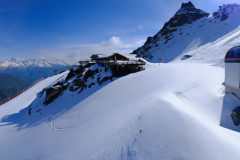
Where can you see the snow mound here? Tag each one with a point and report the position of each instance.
(147, 115)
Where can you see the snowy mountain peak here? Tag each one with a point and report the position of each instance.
(185, 15)
(226, 11)
(13, 60)
(190, 29)
(187, 5)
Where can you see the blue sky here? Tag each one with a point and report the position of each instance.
(77, 28)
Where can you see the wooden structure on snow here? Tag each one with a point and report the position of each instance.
(113, 57)
(117, 62)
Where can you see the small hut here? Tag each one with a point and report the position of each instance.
(232, 71)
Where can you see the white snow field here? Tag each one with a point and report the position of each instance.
(213, 52)
(171, 111)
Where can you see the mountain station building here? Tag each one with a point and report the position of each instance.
(232, 71)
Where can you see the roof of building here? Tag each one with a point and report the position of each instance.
(105, 56)
(233, 55)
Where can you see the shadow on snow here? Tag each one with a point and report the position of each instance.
(41, 113)
(230, 102)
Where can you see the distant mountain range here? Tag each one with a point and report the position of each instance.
(17, 74)
(34, 69)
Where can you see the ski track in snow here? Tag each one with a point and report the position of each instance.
(56, 128)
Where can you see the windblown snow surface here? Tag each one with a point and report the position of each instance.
(171, 111)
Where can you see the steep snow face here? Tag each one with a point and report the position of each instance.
(212, 52)
(149, 115)
(189, 29)
(33, 69)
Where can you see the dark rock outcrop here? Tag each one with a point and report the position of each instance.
(185, 15)
(53, 92)
(236, 116)
(87, 76)
(225, 10)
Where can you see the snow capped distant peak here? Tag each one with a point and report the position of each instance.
(34, 62)
(13, 59)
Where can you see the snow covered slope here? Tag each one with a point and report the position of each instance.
(27, 97)
(191, 28)
(213, 52)
(171, 111)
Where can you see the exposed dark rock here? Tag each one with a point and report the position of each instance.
(106, 69)
(149, 40)
(58, 84)
(103, 80)
(90, 85)
(224, 16)
(88, 74)
(70, 74)
(98, 79)
(79, 70)
(185, 15)
(88, 65)
(81, 90)
(65, 86)
(96, 71)
(186, 57)
(29, 111)
(77, 83)
(51, 94)
(236, 116)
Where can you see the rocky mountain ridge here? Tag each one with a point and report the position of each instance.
(188, 29)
